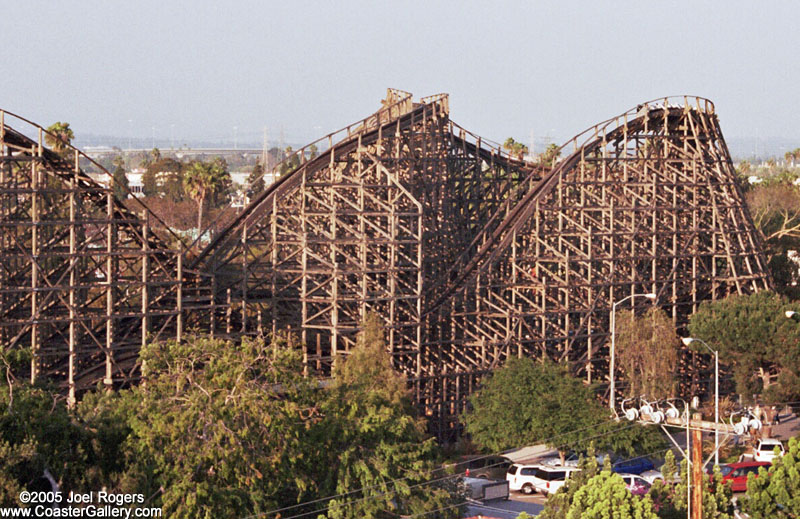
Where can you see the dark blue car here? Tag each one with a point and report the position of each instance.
(633, 466)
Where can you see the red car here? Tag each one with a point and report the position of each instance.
(737, 473)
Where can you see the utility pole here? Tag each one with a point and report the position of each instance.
(652, 413)
(697, 470)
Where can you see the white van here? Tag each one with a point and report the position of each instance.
(538, 478)
(765, 450)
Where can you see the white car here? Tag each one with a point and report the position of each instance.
(651, 476)
(636, 484)
(571, 460)
(538, 478)
(764, 451)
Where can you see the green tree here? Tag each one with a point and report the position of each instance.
(38, 436)
(202, 180)
(515, 148)
(558, 504)
(753, 335)
(289, 163)
(527, 402)
(255, 182)
(167, 177)
(120, 179)
(58, 138)
(550, 155)
(378, 451)
(218, 429)
(775, 494)
(647, 349)
(774, 206)
(605, 496)
(150, 182)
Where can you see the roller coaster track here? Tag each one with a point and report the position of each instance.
(84, 281)
(470, 255)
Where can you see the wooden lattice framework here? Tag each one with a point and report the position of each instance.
(646, 202)
(84, 282)
(368, 225)
(469, 255)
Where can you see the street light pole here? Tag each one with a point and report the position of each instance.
(612, 386)
(688, 341)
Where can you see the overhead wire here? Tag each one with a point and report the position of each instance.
(424, 483)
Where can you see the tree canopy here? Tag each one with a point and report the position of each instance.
(527, 402)
(59, 136)
(255, 182)
(647, 349)
(775, 494)
(202, 180)
(232, 429)
(218, 427)
(605, 496)
(120, 184)
(515, 148)
(753, 335)
(379, 452)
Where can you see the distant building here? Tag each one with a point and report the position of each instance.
(239, 180)
(135, 183)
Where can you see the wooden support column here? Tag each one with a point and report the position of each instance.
(108, 380)
(228, 312)
(179, 329)
(145, 278)
(35, 181)
(73, 264)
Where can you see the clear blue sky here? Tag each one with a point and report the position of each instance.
(553, 67)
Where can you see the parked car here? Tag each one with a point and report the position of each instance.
(484, 489)
(538, 478)
(570, 460)
(484, 467)
(633, 465)
(737, 473)
(765, 449)
(636, 484)
(619, 465)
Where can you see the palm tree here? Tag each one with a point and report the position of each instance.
(201, 181)
(120, 179)
(515, 148)
(58, 137)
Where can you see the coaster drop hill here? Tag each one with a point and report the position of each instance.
(469, 255)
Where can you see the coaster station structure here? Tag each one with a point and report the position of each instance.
(469, 255)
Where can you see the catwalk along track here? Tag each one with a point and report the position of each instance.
(468, 254)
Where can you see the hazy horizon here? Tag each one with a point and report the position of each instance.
(203, 71)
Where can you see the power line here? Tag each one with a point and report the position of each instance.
(424, 483)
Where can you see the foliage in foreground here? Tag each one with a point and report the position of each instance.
(667, 500)
(670, 500)
(377, 444)
(220, 429)
(647, 349)
(753, 335)
(526, 402)
(775, 494)
(606, 496)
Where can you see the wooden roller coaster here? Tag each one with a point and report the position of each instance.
(470, 255)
